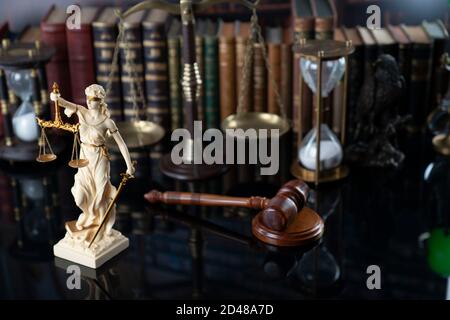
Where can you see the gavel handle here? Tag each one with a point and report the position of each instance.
(204, 199)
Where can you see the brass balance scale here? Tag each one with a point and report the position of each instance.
(46, 153)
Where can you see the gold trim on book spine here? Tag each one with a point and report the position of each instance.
(157, 110)
(159, 66)
(154, 43)
(157, 98)
(4, 106)
(155, 77)
(106, 78)
(130, 45)
(132, 79)
(104, 45)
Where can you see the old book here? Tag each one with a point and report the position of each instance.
(286, 71)
(132, 73)
(227, 69)
(53, 33)
(200, 27)
(211, 85)
(173, 44)
(80, 49)
(259, 79)
(439, 76)
(242, 37)
(274, 38)
(404, 63)
(105, 31)
(4, 97)
(32, 35)
(156, 68)
(421, 69)
(370, 50)
(385, 42)
(324, 21)
(355, 78)
(337, 93)
(303, 28)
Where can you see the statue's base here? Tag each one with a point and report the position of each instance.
(76, 250)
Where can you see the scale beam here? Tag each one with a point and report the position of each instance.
(58, 125)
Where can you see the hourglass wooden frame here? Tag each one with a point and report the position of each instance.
(320, 51)
(57, 123)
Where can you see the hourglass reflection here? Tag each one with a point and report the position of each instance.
(323, 63)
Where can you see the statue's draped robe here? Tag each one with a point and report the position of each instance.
(93, 190)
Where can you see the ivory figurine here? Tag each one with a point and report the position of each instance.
(93, 191)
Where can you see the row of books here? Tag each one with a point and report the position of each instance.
(153, 41)
(153, 45)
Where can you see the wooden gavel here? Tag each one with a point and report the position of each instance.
(280, 216)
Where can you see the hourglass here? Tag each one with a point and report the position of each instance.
(323, 63)
(21, 63)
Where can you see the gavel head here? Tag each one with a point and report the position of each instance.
(282, 208)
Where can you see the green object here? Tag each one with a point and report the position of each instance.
(173, 44)
(439, 252)
(211, 97)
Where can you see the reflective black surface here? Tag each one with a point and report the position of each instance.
(375, 217)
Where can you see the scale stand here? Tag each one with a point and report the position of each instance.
(191, 83)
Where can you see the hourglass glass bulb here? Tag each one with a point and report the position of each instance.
(332, 72)
(331, 152)
(24, 119)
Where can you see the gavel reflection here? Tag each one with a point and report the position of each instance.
(283, 220)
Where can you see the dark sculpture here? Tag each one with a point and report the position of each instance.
(374, 142)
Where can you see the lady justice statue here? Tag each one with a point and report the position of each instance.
(93, 191)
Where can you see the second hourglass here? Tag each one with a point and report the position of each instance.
(323, 63)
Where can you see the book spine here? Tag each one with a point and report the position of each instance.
(104, 45)
(303, 29)
(286, 77)
(421, 66)
(259, 80)
(324, 28)
(439, 74)
(156, 75)
(355, 78)
(176, 114)
(54, 35)
(241, 45)
(370, 56)
(7, 130)
(211, 98)
(81, 61)
(275, 66)
(404, 64)
(45, 101)
(227, 73)
(200, 64)
(132, 76)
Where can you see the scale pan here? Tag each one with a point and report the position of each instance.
(46, 157)
(78, 163)
(256, 120)
(137, 134)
